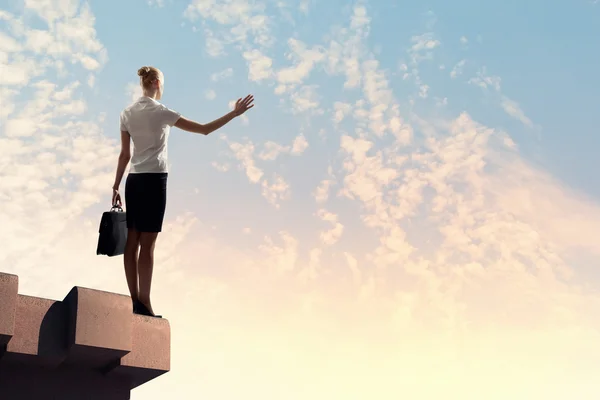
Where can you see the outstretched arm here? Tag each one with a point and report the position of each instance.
(204, 129)
(241, 106)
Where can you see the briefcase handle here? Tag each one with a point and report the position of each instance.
(116, 206)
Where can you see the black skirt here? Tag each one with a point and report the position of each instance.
(146, 200)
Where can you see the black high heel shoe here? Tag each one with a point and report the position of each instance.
(140, 308)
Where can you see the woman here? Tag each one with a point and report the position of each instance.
(148, 122)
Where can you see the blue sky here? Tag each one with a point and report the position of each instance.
(543, 60)
(415, 186)
(542, 54)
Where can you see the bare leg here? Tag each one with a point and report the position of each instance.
(130, 260)
(146, 266)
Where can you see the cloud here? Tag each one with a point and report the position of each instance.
(306, 60)
(133, 91)
(424, 42)
(300, 145)
(300, 98)
(360, 18)
(280, 259)
(353, 265)
(305, 100)
(221, 75)
(56, 161)
(19, 127)
(509, 106)
(458, 69)
(243, 152)
(485, 81)
(222, 167)
(342, 110)
(321, 193)
(346, 48)
(272, 150)
(332, 235)
(19, 70)
(422, 47)
(70, 33)
(305, 6)
(275, 190)
(156, 3)
(210, 94)
(214, 46)
(259, 65)
(247, 24)
(513, 109)
(366, 174)
(9, 44)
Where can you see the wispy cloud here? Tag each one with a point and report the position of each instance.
(513, 109)
(247, 24)
(221, 75)
(458, 69)
(485, 81)
(156, 3)
(210, 94)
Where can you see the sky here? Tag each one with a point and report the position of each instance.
(410, 210)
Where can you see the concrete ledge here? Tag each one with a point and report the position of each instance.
(99, 326)
(9, 286)
(90, 345)
(40, 330)
(150, 356)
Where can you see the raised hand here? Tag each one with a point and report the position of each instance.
(241, 106)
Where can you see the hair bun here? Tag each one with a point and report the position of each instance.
(149, 76)
(143, 71)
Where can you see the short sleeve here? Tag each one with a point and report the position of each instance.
(169, 116)
(123, 123)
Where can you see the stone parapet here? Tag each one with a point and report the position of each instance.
(89, 345)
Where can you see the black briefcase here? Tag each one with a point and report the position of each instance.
(113, 232)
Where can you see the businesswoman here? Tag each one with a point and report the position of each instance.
(147, 124)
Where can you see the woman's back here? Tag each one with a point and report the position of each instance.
(148, 123)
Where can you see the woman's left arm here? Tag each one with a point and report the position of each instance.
(124, 158)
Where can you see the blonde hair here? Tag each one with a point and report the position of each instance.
(148, 75)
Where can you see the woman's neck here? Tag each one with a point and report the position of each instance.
(150, 94)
